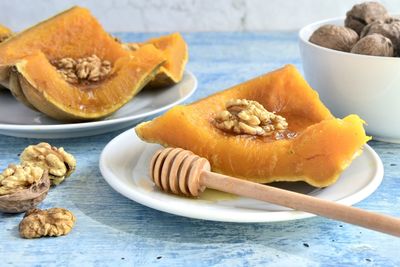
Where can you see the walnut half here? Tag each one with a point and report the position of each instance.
(86, 69)
(51, 222)
(22, 187)
(249, 117)
(57, 161)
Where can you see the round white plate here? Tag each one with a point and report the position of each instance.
(18, 120)
(124, 165)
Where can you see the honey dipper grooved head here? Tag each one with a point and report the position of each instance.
(178, 171)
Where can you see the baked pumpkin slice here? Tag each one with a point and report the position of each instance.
(5, 33)
(175, 51)
(300, 139)
(69, 68)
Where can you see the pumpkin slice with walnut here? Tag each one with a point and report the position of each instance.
(69, 68)
(271, 128)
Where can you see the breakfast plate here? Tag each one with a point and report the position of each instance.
(124, 165)
(18, 120)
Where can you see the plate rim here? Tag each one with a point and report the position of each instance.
(289, 215)
(100, 123)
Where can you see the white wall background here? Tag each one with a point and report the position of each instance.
(186, 15)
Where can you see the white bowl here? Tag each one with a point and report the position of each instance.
(349, 83)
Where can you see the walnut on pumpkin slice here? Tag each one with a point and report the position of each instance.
(243, 116)
(51, 222)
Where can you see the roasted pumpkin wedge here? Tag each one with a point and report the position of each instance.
(315, 147)
(5, 33)
(175, 50)
(69, 68)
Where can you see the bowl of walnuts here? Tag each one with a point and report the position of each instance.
(353, 63)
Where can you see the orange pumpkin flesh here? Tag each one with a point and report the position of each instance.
(4, 33)
(323, 148)
(175, 51)
(76, 34)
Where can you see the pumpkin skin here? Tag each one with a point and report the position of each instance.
(322, 149)
(175, 51)
(73, 33)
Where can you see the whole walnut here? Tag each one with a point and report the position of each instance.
(374, 45)
(365, 13)
(389, 30)
(335, 37)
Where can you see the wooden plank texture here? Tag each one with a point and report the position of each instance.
(113, 230)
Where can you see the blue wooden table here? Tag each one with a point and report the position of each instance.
(113, 230)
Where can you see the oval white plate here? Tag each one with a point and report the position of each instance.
(18, 120)
(124, 165)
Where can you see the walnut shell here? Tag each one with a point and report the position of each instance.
(26, 199)
(334, 37)
(389, 30)
(374, 45)
(363, 14)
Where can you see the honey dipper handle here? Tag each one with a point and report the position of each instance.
(378, 222)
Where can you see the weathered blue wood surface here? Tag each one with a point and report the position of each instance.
(113, 230)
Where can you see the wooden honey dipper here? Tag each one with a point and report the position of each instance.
(181, 172)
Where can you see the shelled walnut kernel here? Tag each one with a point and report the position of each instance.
(249, 117)
(57, 161)
(19, 177)
(87, 69)
(51, 222)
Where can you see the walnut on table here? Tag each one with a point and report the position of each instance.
(51, 222)
(57, 161)
(22, 187)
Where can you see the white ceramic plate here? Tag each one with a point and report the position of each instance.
(20, 121)
(124, 165)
